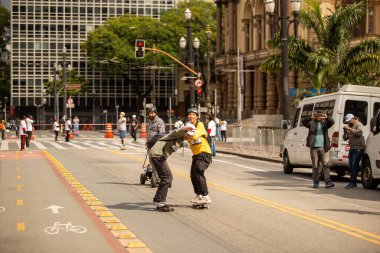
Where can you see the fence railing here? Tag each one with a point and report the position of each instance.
(258, 141)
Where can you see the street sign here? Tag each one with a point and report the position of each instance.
(198, 82)
(70, 105)
(104, 111)
(149, 105)
(73, 86)
(203, 109)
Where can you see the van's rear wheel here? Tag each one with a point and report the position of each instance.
(288, 168)
(341, 172)
(368, 181)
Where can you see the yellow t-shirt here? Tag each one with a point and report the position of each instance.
(198, 143)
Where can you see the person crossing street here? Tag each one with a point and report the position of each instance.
(122, 127)
(68, 128)
(133, 127)
(29, 129)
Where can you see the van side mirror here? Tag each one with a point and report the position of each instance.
(285, 124)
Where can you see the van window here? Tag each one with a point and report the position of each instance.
(307, 110)
(326, 107)
(357, 108)
(296, 117)
(376, 107)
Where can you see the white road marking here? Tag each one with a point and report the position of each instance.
(74, 145)
(19, 144)
(127, 153)
(86, 143)
(239, 165)
(39, 145)
(300, 178)
(54, 208)
(110, 146)
(65, 227)
(4, 145)
(55, 145)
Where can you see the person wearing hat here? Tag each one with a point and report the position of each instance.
(122, 127)
(133, 127)
(319, 143)
(202, 158)
(156, 126)
(353, 132)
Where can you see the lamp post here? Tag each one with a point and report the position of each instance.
(285, 21)
(208, 87)
(5, 109)
(56, 116)
(196, 44)
(190, 55)
(64, 83)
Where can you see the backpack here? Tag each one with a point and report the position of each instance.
(208, 138)
(153, 140)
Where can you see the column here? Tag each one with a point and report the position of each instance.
(248, 94)
(271, 94)
(230, 92)
(259, 96)
(219, 33)
(231, 27)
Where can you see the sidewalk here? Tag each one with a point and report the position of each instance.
(227, 148)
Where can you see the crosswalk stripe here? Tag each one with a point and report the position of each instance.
(75, 146)
(90, 145)
(102, 143)
(39, 145)
(55, 145)
(19, 144)
(4, 145)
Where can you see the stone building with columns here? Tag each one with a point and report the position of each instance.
(243, 25)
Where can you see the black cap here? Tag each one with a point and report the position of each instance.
(192, 109)
(153, 109)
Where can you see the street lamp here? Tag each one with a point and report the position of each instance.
(196, 44)
(5, 109)
(64, 83)
(190, 55)
(208, 87)
(285, 21)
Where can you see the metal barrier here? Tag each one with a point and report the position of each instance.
(258, 141)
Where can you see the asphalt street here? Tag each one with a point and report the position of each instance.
(255, 207)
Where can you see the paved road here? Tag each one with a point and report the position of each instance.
(255, 207)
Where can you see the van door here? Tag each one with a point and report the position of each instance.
(302, 151)
(290, 141)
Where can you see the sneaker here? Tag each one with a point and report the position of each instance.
(159, 204)
(316, 185)
(329, 185)
(351, 186)
(196, 199)
(206, 200)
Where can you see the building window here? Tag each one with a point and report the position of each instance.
(370, 19)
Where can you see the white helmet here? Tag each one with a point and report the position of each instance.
(133, 116)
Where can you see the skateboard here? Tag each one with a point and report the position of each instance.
(201, 205)
(165, 208)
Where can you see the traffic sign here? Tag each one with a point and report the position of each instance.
(149, 105)
(198, 82)
(70, 101)
(70, 105)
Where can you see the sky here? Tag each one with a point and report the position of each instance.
(6, 3)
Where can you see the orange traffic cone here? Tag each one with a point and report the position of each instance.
(109, 133)
(143, 133)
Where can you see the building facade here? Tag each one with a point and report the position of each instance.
(245, 26)
(42, 28)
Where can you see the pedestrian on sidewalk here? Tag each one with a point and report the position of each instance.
(56, 129)
(133, 127)
(353, 132)
(218, 134)
(76, 125)
(17, 125)
(197, 137)
(159, 153)
(319, 143)
(22, 132)
(2, 129)
(211, 130)
(122, 127)
(223, 129)
(29, 129)
(68, 128)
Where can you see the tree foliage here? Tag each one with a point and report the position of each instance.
(4, 40)
(72, 78)
(332, 60)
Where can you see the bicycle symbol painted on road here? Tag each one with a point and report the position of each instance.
(2, 209)
(65, 227)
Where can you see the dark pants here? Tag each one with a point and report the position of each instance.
(67, 135)
(224, 135)
(197, 173)
(28, 137)
(56, 135)
(2, 134)
(165, 175)
(354, 157)
(133, 134)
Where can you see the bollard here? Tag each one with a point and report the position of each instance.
(109, 133)
(143, 133)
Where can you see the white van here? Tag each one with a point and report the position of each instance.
(362, 101)
(371, 159)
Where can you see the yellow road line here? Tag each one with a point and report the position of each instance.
(118, 230)
(18, 176)
(19, 187)
(19, 202)
(358, 233)
(20, 226)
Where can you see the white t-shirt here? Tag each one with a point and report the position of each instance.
(212, 127)
(122, 124)
(223, 127)
(22, 125)
(56, 126)
(68, 125)
(29, 125)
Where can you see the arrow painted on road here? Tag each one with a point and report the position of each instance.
(54, 209)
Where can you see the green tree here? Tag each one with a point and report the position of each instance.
(4, 40)
(332, 60)
(72, 78)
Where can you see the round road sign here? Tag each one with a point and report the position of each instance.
(198, 82)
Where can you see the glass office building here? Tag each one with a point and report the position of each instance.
(40, 30)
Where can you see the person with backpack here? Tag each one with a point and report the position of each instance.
(159, 153)
(197, 137)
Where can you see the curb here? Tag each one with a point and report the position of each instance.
(249, 156)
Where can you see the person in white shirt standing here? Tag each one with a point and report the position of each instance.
(223, 130)
(22, 132)
(29, 129)
(122, 127)
(211, 130)
(68, 128)
(56, 129)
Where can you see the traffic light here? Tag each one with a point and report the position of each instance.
(140, 48)
(199, 91)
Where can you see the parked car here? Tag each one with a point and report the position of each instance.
(362, 101)
(370, 175)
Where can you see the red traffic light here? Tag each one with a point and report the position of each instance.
(199, 91)
(140, 44)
